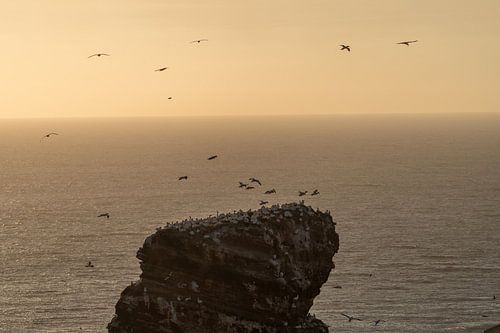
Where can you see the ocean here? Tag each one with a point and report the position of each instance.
(416, 198)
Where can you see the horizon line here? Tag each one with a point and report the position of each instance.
(251, 115)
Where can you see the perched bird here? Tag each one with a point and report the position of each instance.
(48, 135)
(345, 47)
(270, 191)
(106, 215)
(212, 157)
(302, 193)
(183, 178)
(262, 202)
(99, 55)
(249, 188)
(408, 42)
(161, 69)
(199, 41)
(378, 321)
(254, 180)
(243, 184)
(89, 264)
(315, 192)
(351, 318)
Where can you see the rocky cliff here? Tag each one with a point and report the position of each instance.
(255, 271)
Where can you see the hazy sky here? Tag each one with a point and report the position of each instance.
(262, 57)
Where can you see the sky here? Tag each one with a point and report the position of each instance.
(263, 57)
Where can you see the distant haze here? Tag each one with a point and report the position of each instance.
(262, 57)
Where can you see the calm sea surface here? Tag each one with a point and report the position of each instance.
(416, 199)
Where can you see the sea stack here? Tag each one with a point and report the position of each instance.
(254, 271)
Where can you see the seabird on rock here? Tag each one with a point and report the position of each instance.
(302, 193)
(106, 215)
(315, 192)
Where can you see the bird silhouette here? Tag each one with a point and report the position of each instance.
(255, 180)
(89, 264)
(161, 69)
(169, 97)
(199, 41)
(48, 135)
(302, 193)
(249, 188)
(212, 157)
(242, 184)
(262, 202)
(106, 215)
(270, 191)
(345, 47)
(378, 321)
(408, 42)
(351, 318)
(315, 192)
(183, 178)
(99, 55)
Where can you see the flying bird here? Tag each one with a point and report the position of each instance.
(345, 47)
(99, 55)
(315, 192)
(161, 69)
(351, 318)
(302, 193)
(106, 215)
(212, 157)
(243, 184)
(254, 180)
(270, 191)
(183, 178)
(408, 42)
(199, 41)
(48, 135)
(262, 202)
(378, 321)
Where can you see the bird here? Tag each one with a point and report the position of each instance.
(249, 188)
(161, 69)
(302, 193)
(89, 264)
(270, 191)
(183, 178)
(345, 47)
(212, 157)
(378, 321)
(351, 318)
(48, 135)
(254, 180)
(242, 184)
(315, 192)
(408, 42)
(262, 202)
(99, 55)
(106, 215)
(199, 41)
(169, 97)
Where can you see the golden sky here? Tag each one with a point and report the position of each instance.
(262, 57)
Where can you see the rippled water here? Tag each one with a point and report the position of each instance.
(416, 198)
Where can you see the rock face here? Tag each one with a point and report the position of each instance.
(256, 272)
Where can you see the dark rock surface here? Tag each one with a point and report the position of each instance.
(256, 271)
